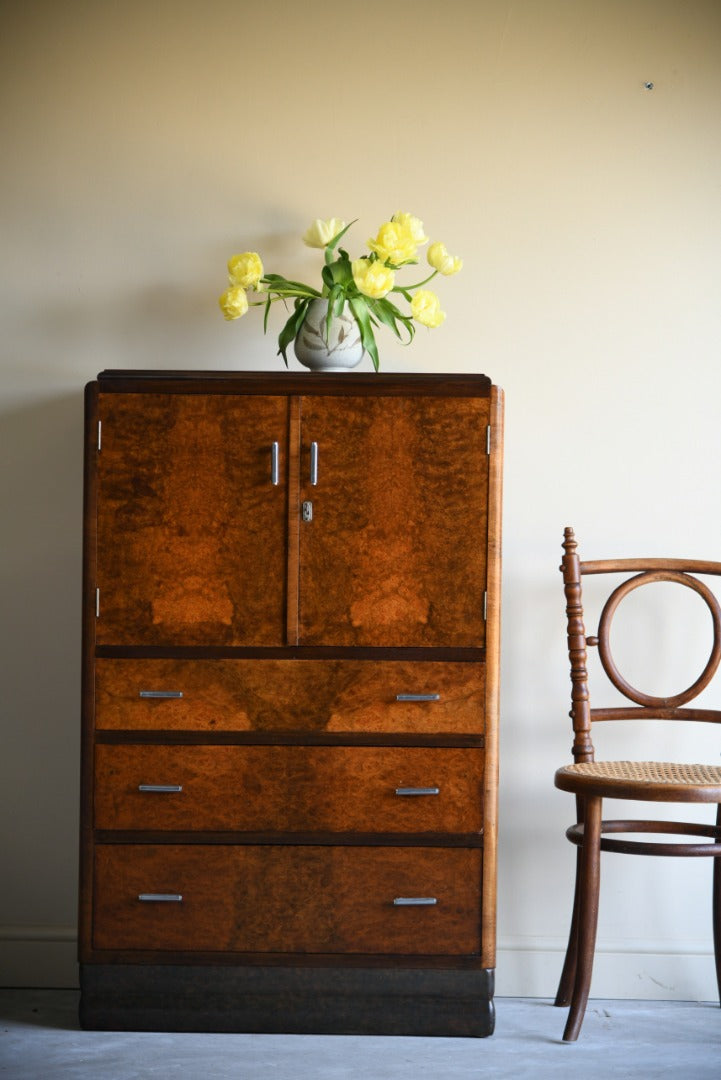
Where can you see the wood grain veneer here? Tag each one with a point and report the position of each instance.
(289, 788)
(191, 530)
(290, 695)
(396, 552)
(288, 899)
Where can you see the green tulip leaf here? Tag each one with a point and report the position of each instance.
(362, 317)
(331, 246)
(291, 328)
(390, 316)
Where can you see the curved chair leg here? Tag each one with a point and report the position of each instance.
(587, 915)
(717, 908)
(568, 975)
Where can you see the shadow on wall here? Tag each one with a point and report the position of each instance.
(40, 576)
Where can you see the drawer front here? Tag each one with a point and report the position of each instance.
(289, 788)
(290, 695)
(287, 899)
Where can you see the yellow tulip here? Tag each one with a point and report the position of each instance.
(426, 308)
(234, 302)
(440, 260)
(412, 225)
(245, 270)
(372, 278)
(395, 244)
(320, 233)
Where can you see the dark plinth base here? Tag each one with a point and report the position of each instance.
(323, 1001)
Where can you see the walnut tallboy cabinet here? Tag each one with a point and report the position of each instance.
(290, 702)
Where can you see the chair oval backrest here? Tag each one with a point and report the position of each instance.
(604, 633)
(645, 706)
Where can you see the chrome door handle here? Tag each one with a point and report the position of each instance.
(314, 463)
(418, 697)
(414, 901)
(418, 791)
(160, 897)
(161, 693)
(160, 787)
(275, 464)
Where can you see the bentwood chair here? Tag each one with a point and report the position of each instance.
(649, 781)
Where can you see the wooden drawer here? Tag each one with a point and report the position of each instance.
(287, 899)
(290, 695)
(289, 788)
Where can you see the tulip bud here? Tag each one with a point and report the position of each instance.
(234, 302)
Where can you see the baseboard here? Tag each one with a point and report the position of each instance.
(650, 971)
(527, 967)
(39, 956)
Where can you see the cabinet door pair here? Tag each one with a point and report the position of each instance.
(271, 520)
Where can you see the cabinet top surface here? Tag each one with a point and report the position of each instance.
(265, 382)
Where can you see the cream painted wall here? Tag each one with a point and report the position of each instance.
(144, 142)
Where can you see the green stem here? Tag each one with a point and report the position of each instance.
(279, 292)
(273, 294)
(407, 288)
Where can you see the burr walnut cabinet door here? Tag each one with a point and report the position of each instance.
(291, 789)
(427, 696)
(395, 551)
(301, 899)
(192, 498)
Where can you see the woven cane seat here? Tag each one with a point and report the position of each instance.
(671, 780)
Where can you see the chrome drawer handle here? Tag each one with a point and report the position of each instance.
(162, 897)
(160, 787)
(161, 693)
(418, 697)
(418, 791)
(414, 901)
(274, 464)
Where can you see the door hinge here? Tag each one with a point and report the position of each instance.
(97, 603)
(488, 439)
(100, 434)
(485, 606)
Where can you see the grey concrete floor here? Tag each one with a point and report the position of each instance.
(40, 1040)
